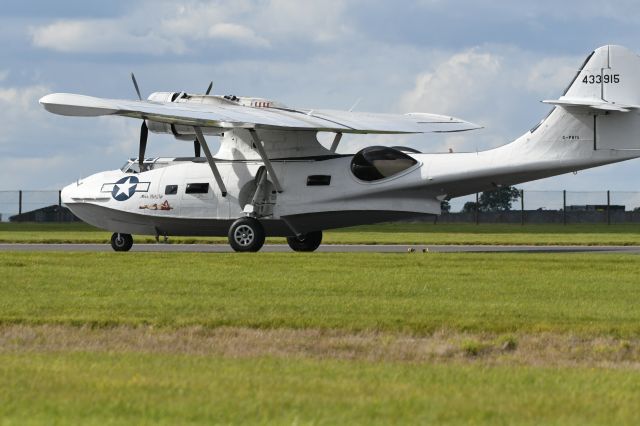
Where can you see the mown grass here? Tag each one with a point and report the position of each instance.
(154, 317)
(390, 233)
(409, 293)
(131, 388)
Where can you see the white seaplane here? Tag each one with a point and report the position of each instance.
(271, 176)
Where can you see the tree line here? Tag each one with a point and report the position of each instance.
(498, 200)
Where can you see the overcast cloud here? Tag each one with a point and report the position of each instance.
(488, 62)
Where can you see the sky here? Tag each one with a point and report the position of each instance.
(489, 62)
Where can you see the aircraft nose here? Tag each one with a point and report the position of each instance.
(67, 193)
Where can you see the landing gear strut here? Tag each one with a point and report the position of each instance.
(305, 242)
(121, 242)
(246, 234)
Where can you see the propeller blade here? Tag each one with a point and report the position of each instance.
(196, 148)
(209, 89)
(135, 84)
(144, 134)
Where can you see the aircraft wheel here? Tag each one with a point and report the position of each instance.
(246, 234)
(306, 242)
(121, 242)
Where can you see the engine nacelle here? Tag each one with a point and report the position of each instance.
(185, 133)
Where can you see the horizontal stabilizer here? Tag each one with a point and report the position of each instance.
(591, 104)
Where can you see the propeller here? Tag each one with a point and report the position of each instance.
(135, 84)
(144, 134)
(144, 130)
(196, 144)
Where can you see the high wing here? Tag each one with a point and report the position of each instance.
(220, 113)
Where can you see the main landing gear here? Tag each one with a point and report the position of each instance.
(121, 242)
(246, 235)
(305, 242)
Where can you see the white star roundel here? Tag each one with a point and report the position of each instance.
(124, 188)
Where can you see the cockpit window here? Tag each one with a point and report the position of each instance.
(379, 162)
(132, 166)
(125, 167)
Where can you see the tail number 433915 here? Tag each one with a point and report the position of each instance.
(599, 79)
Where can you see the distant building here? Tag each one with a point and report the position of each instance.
(595, 208)
(54, 213)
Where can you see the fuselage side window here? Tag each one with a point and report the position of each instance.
(197, 188)
(171, 190)
(318, 180)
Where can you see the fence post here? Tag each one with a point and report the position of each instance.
(59, 215)
(20, 202)
(564, 206)
(477, 209)
(608, 207)
(522, 207)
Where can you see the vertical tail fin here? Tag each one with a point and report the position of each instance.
(601, 106)
(608, 80)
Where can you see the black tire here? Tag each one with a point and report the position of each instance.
(306, 242)
(121, 242)
(246, 235)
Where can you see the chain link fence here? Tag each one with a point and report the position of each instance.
(31, 206)
(532, 207)
(553, 207)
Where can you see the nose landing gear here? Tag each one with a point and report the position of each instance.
(121, 242)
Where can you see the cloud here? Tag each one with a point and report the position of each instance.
(495, 86)
(237, 33)
(21, 99)
(20, 109)
(39, 172)
(161, 27)
(465, 86)
(317, 21)
(549, 74)
(454, 85)
(102, 36)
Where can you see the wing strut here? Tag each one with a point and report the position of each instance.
(210, 160)
(267, 163)
(336, 141)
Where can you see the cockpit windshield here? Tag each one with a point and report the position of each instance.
(132, 166)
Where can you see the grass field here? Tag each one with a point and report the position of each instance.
(414, 293)
(319, 338)
(99, 388)
(397, 233)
